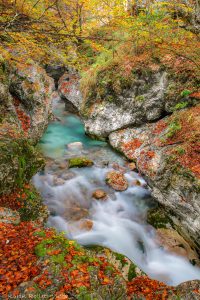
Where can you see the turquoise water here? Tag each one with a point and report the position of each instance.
(68, 130)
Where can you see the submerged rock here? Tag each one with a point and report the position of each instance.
(79, 162)
(99, 195)
(86, 225)
(75, 146)
(117, 181)
(132, 166)
(136, 182)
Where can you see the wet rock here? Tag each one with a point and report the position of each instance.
(58, 181)
(75, 146)
(68, 175)
(69, 90)
(117, 181)
(173, 242)
(132, 166)
(79, 162)
(63, 165)
(9, 216)
(76, 213)
(99, 195)
(118, 168)
(86, 225)
(158, 218)
(136, 182)
(189, 290)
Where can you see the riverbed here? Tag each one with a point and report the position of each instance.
(119, 222)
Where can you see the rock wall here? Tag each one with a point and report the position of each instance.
(25, 101)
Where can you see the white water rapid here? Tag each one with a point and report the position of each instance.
(119, 223)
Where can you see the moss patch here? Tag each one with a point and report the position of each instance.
(79, 162)
(19, 161)
(158, 218)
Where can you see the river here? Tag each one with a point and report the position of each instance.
(119, 222)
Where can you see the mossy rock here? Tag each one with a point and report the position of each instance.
(33, 207)
(19, 161)
(158, 218)
(80, 162)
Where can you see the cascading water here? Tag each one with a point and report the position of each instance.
(119, 222)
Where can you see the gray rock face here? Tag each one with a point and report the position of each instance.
(34, 89)
(69, 91)
(135, 105)
(26, 96)
(55, 71)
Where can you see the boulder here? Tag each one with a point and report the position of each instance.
(75, 146)
(132, 166)
(25, 103)
(117, 181)
(79, 162)
(99, 195)
(69, 90)
(33, 89)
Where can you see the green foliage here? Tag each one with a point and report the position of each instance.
(40, 233)
(180, 105)
(40, 250)
(180, 150)
(121, 258)
(21, 171)
(140, 98)
(132, 272)
(59, 259)
(158, 218)
(185, 93)
(32, 207)
(173, 128)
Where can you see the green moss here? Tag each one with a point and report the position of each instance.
(79, 162)
(180, 105)
(59, 258)
(158, 218)
(185, 93)
(173, 128)
(40, 233)
(132, 272)
(180, 150)
(32, 208)
(140, 98)
(40, 250)
(121, 258)
(19, 161)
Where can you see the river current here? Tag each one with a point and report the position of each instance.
(118, 223)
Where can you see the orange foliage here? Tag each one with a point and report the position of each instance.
(23, 118)
(17, 258)
(148, 288)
